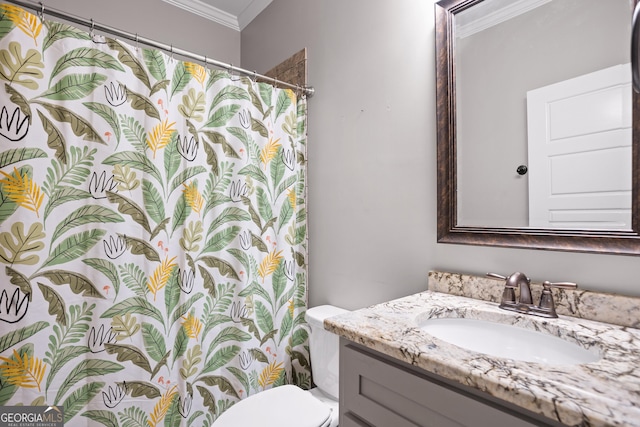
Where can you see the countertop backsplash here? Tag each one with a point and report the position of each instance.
(599, 306)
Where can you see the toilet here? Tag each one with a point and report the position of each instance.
(288, 405)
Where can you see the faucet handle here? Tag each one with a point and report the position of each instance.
(562, 285)
(546, 299)
(508, 294)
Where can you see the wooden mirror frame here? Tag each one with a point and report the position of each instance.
(605, 242)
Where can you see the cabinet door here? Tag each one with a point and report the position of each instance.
(384, 394)
(349, 420)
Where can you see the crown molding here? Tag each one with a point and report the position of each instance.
(503, 14)
(219, 16)
(253, 10)
(206, 11)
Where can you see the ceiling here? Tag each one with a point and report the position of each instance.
(235, 14)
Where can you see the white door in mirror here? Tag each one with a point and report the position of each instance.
(579, 151)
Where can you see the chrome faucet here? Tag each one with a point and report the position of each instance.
(524, 301)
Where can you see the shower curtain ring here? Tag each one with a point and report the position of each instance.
(41, 13)
(91, 31)
(171, 52)
(205, 61)
(137, 41)
(255, 76)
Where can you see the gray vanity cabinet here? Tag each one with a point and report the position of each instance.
(378, 391)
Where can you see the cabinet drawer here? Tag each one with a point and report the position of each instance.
(384, 394)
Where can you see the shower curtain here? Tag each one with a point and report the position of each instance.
(152, 231)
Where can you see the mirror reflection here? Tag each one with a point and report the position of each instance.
(543, 114)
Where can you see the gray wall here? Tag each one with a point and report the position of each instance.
(372, 156)
(371, 139)
(160, 21)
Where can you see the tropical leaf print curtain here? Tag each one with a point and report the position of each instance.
(152, 231)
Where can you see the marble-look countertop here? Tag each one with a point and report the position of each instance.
(602, 393)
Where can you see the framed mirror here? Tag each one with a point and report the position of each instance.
(538, 125)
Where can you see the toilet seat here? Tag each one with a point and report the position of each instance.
(284, 406)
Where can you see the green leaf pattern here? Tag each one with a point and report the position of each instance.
(153, 237)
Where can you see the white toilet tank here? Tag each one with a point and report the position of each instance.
(324, 348)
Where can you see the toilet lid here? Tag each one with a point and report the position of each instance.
(284, 406)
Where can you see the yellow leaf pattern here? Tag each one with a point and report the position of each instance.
(192, 325)
(197, 71)
(161, 276)
(163, 405)
(22, 190)
(292, 198)
(291, 307)
(23, 371)
(270, 374)
(270, 150)
(291, 94)
(193, 197)
(269, 264)
(27, 22)
(160, 136)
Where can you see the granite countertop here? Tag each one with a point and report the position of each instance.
(602, 393)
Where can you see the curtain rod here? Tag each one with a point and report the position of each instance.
(40, 9)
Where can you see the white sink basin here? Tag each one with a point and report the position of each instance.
(508, 341)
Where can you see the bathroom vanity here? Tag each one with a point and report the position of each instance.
(394, 373)
(380, 391)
